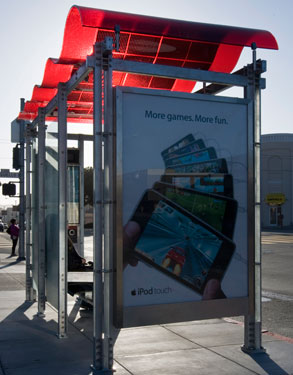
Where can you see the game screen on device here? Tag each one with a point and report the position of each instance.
(212, 166)
(194, 146)
(179, 245)
(194, 157)
(206, 184)
(206, 207)
(181, 143)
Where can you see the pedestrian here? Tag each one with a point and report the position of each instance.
(280, 220)
(13, 230)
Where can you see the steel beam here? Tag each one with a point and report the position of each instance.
(21, 248)
(98, 301)
(215, 88)
(28, 256)
(109, 204)
(177, 72)
(62, 200)
(253, 321)
(76, 78)
(41, 213)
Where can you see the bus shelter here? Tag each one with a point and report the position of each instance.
(176, 186)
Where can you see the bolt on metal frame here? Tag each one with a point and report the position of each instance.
(102, 65)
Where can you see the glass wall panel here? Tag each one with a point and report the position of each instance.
(52, 214)
(73, 181)
(34, 218)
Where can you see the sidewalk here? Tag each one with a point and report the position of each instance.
(29, 346)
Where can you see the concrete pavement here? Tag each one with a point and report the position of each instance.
(29, 346)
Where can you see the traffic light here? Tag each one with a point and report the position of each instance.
(9, 189)
(16, 157)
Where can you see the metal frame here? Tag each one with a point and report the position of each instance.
(179, 73)
(252, 84)
(105, 185)
(62, 204)
(21, 250)
(28, 214)
(39, 232)
(253, 320)
(109, 206)
(98, 301)
(41, 214)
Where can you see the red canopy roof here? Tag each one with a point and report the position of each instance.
(142, 38)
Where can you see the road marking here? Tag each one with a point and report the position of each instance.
(271, 242)
(272, 295)
(275, 239)
(279, 337)
(264, 331)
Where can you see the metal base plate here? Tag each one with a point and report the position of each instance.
(251, 350)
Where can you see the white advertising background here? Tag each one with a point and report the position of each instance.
(150, 124)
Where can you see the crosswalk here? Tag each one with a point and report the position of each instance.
(268, 296)
(277, 239)
(5, 240)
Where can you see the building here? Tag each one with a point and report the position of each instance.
(9, 213)
(277, 180)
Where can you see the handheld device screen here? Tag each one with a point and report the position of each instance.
(181, 143)
(211, 166)
(178, 244)
(191, 147)
(193, 157)
(221, 184)
(217, 211)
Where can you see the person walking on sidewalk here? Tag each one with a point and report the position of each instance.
(13, 230)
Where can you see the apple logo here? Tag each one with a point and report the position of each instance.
(133, 292)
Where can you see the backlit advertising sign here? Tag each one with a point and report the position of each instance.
(181, 206)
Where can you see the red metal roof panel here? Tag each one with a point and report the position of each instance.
(142, 38)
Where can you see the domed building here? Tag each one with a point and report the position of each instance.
(277, 180)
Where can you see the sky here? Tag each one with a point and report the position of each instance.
(31, 31)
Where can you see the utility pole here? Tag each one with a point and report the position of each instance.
(21, 249)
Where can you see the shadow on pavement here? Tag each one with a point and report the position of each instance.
(29, 345)
(11, 264)
(268, 364)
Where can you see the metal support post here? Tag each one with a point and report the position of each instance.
(62, 198)
(98, 301)
(81, 196)
(29, 285)
(253, 321)
(41, 213)
(21, 194)
(109, 203)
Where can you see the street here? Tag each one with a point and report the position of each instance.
(277, 282)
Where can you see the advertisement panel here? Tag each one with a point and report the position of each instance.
(182, 206)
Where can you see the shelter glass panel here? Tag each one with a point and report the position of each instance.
(52, 214)
(34, 218)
